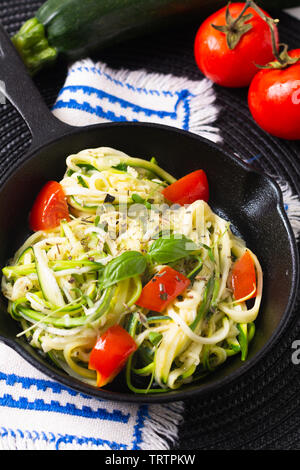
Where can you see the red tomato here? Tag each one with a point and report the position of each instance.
(49, 208)
(243, 277)
(233, 67)
(110, 354)
(188, 189)
(274, 100)
(163, 288)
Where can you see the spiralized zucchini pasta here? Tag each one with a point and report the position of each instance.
(141, 274)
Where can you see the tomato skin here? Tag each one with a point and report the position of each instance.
(49, 207)
(236, 67)
(188, 189)
(162, 289)
(243, 277)
(110, 354)
(274, 100)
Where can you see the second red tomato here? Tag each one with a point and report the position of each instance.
(274, 99)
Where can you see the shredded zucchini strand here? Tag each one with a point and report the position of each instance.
(55, 282)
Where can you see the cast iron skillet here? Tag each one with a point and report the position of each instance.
(251, 201)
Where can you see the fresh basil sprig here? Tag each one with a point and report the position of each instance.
(175, 247)
(128, 264)
(162, 251)
(168, 250)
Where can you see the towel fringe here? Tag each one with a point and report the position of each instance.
(292, 206)
(161, 427)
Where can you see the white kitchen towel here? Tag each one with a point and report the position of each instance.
(37, 412)
(95, 93)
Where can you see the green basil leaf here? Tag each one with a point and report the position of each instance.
(168, 250)
(128, 264)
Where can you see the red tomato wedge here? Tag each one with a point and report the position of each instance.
(110, 354)
(49, 208)
(163, 288)
(188, 189)
(243, 277)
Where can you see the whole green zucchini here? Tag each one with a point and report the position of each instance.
(75, 27)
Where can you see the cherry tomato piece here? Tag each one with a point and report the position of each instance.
(188, 189)
(110, 354)
(243, 277)
(49, 208)
(162, 289)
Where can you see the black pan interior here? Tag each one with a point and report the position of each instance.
(251, 202)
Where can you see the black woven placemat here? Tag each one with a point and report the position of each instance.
(261, 411)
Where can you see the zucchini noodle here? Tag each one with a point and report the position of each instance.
(105, 175)
(55, 281)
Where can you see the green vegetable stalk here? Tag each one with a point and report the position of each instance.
(76, 27)
(33, 46)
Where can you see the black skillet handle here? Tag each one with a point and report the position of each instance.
(17, 86)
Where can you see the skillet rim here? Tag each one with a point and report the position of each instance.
(199, 390)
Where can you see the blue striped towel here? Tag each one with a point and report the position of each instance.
(37, 412)
(94, 93)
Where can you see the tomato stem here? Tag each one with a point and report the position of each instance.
(282, 57)
(271, 23)
(247, 4)
(234, 28)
